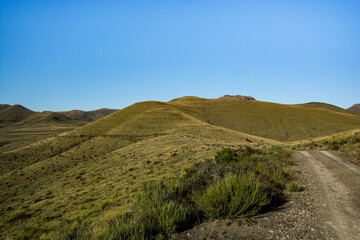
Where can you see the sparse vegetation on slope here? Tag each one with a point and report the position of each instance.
(95, 171)
(206, 190)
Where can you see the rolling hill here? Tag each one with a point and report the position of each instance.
(325, 106)
(18, 115)
(13, 113)
(269, 120)
(355, 108)
(20, 126)
(88, 116)
(94, 170)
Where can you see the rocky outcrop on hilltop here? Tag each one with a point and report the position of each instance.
(240, 97)
(355, 108)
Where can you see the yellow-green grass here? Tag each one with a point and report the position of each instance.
(94, 170)
(12, 138)
(269, 120)
(325, 106)
(48, 191)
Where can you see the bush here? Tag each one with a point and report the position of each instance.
(245, 152)
(157, 208)
(156, 214)
(225, 155)
(232, 197)
(201, 175)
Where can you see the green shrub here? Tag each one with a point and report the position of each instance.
(232, 197)
(156, 214)
(225, 155)
(200, 176)
(245, 152)
(158, 209)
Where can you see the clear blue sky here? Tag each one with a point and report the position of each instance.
(73, 54)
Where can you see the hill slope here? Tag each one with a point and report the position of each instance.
(13, 114)
(94, 170)
(355, 108)
(20, 126)
(88, 116)
(325, 106)
(21, 116)
(270, 120)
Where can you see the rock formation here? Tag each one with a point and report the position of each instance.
(240, 97)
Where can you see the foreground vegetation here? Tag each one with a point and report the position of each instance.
(238, 184)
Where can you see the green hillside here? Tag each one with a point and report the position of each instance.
(325, 106)
(88, 116)
(94, 170)
(354, 108)
(13, 113)
(20, 126)
(269, 120)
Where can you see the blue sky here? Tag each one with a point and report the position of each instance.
(63, 55)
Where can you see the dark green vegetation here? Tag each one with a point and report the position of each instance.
(207, 190)
(95, 171)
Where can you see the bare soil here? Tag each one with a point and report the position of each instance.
(327, 208)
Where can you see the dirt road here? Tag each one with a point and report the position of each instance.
(339, 191)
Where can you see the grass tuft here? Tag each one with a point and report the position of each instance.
(294, 187)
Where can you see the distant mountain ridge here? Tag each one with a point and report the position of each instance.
(14, 113)
(355, 108)
(18, 115)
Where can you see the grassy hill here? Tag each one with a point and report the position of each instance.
(94, 170)
(355, 108)
(269, 120)
(20, 126)
(88, 116)
(12, 114)
(325, 106)
(17, 115)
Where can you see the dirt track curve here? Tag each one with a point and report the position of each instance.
(339, 182)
